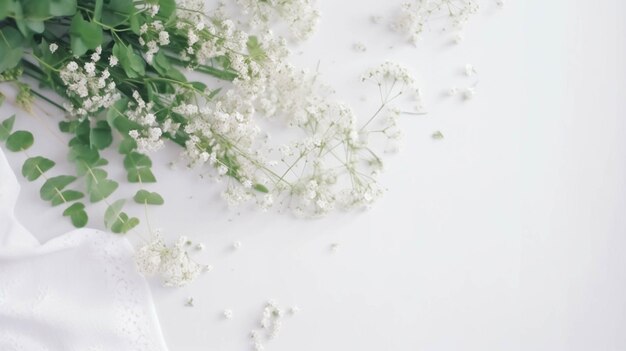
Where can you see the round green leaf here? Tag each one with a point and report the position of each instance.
(98, 186)
(84, 35)
(53, 187)
(100, 136)
(20, 140)
(77, 215)
(118, 221)
(10, 47)
(6, 127)
(148, 198)
(34, 167)
(66, 196)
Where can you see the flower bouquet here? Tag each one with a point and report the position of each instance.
(120, 72)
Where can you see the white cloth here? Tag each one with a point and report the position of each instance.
(77, 292)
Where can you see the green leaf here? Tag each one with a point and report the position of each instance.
(20, 140)
(6, 127)
(97, 10)
(118, 221)
(260, 188)
(199, 86)
(100, 136)
(67, 126)
(80, 152)
(77, 215)
(125, 224)
(136, 21)
(98, 186)
(133, 64)
(167, 9)
(161, 63)
(138, 167)
(62, 7)
(53, 186)
(148, 198)
(127, 145)
(10, 47)
(36, 166)
(84, 35)
(66, 196)
(112, 212)
(35, 25)
(117, 12)
(141, 175)
(6, 7)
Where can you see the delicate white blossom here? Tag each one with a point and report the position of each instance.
(172, 263)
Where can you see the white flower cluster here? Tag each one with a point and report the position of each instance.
(88, 89)
(172, 263)
(331, 166)
(418, 15)
(150, 138)
(271, 323)
(211, 37)
(153, 36)
(301, 16)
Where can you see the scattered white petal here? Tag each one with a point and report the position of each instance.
(228, 314)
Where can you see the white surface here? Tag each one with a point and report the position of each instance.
(507, 235)
(77, 292)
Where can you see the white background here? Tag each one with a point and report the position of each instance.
(509, 234)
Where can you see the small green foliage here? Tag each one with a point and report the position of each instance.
(261, 188)
(10, 47)
(20, 140)
(35, 167)
(138, 167)
(117, 120)
(98, 186)
(117, 12)
(53, 187)
(100, 136)
(148, 198)
(127, 146)
(66, 196)
(131, 62)
(77, 214)
(118, 221)
(6, 127)
(84, 35)
(437, 135)
(62, 7)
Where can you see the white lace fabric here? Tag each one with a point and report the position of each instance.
(77, 292)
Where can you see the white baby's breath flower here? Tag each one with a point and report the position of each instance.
(53, 47)
(172, 263)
